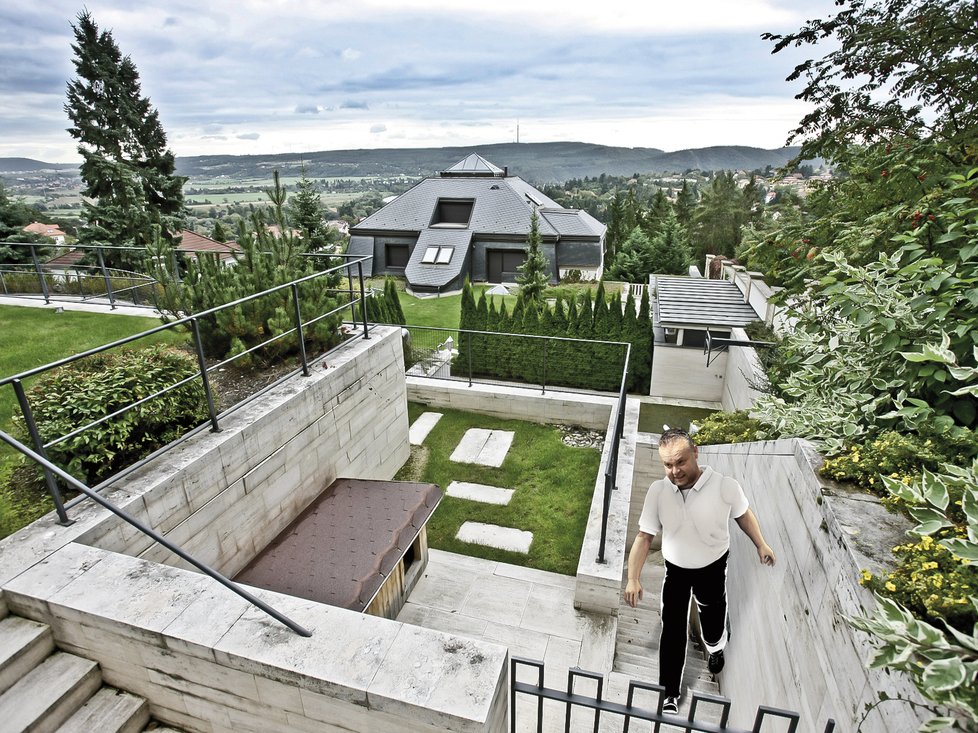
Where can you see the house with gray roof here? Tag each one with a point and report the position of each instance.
(473, 220)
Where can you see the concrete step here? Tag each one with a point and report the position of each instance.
(23, 645)
(109, 711)
(49, 694)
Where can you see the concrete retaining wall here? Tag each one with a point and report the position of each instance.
(790, 645)
(206, 659)
(515, 403)
(681, 373)
(743, 372)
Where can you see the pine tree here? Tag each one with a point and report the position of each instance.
(306, 214)
(128, 171)
(533, 278)
(685, 204)
(219, 235)
(669, 253)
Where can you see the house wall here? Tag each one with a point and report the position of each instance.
(681, 373)
(577, 254)
(480, 248)
(743, 373)
(380, 252)
(205, 658)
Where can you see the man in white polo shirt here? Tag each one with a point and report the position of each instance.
(692, 507)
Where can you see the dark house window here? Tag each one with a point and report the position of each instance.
(397, 256)
(452, 213)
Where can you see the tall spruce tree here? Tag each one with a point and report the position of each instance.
(533, 278)
(128, 171)
(306, 214)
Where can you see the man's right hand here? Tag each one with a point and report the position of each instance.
(633, 592)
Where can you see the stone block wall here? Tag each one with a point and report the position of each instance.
(515, 403)
(790, 645)
(224, 496)
(743, 374)
(205, 658)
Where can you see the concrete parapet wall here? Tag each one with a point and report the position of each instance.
(515, 402)
(743, 372)
(207, 660)
(598, 588)
(790, 645)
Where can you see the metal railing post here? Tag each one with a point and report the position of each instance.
(349, 288)
(40, 275)
(363, 299)
(543, 379)
(199, 346)
(470, 357)
(105, 276)
(49, 479)
(298, 330)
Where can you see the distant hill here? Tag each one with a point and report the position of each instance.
(538, 163)
(29, 165)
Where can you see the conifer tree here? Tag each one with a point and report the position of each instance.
(533, 278)
(129, 173)
(685, 204)
(306, 214)
(669, 251)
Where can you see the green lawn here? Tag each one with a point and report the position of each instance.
(553, 484)
(651, 417)
(36, 336)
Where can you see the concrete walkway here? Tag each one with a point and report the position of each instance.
(532, 613)
(90, 305)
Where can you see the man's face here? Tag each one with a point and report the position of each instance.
(679, 460)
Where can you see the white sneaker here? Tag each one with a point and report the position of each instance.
(671, 706)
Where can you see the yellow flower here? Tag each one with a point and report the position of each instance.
(890, 587)
(866, 576)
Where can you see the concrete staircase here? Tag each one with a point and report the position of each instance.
(637, 642)
(43, 689)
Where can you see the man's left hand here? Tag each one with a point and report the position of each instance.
(766, 555)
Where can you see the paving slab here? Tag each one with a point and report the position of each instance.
(422, 426)
(483, 447)
(491, 535)
(479, 492)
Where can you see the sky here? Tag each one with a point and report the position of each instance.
(291, 76)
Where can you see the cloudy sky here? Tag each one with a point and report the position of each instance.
(289, 76)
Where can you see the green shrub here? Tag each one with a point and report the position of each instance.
(930, 582)
(729, 427)
(900, 456)
(74, 395)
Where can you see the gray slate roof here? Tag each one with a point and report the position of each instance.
(434, 275)
(501, 206)
(695, 301)
(573, 222)
(363, 247)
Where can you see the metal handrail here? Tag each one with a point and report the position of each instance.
(149, 531)
(40, 446)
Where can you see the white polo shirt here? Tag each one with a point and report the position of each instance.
(695, 530)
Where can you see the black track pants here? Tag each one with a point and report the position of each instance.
(708, 585)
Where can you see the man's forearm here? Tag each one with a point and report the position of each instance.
(638, 555)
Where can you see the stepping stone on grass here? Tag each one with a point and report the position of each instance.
(490, 535)
(479, 492)
(483, 447)
(422, 426)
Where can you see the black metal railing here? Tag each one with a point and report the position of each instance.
(547, 362)
(74, 282)
(701, 704)
(50, 468)
(352, 300)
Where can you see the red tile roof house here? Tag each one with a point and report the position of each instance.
(46, 230)
(192, 244)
